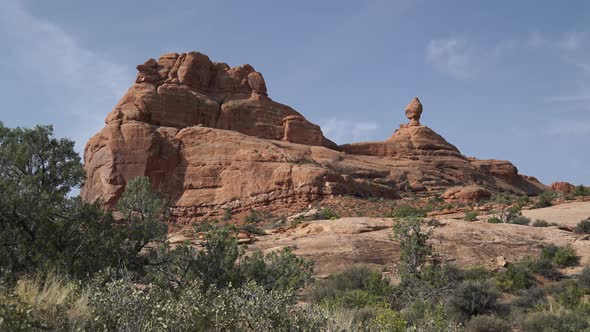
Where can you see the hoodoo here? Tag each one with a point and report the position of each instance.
(209, 137)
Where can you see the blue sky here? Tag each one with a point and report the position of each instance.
(499, 79)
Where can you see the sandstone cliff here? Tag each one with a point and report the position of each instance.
(210, 138)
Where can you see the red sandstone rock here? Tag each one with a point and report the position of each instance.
(466, 194)
(210, 138)
(414, 111)
(564, 187)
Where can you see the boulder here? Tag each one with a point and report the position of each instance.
(467, 194)
(563, 187)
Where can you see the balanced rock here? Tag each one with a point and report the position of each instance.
(210, 138)
(414, 111)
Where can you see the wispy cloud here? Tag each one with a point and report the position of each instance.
(569, 41)
(451, 56)
(83, 83)
(347, 131)
(570, 128)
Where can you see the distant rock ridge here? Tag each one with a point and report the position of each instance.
(209, 138)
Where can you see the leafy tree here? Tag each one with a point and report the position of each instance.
(142, 209)
(37, 171)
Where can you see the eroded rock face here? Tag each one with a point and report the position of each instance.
(466, 194)
(564, 187)
(184, 90)
(210, 138)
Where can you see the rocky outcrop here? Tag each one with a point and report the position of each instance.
(466, 194)
(210, 138)
(183, 90)
(564, 187)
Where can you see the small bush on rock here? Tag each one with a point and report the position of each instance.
(563, 256)
(520, 220)
(583, 227)
(470, 216)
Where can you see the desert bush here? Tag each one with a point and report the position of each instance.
(414, 248)
(581, 191)
(487, 323)
(387, 319)
(406, 211)
(514, 278)
(254, 216)
(547, 321)
(545, 199)
(520, 220)
(495, 220)
(472, 298)
(354, 278)
(529, 298)
(540, 223)
(542, 266)
(568, 293)
(227, 214)
(583, 227)
(470, 216)
(326, 214)
(563, 256)
(120, 305)
(523, 200)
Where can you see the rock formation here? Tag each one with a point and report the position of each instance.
(564, 187)
(210, 138)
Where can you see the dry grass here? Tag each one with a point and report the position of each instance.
(52, 297)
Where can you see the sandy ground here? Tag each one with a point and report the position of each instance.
(568, 214)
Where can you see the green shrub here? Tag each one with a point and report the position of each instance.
(542, 266)
(326, 214)
(387, 319)
(545, 199)
(547, 321)
(520, 220)
(568, 293)
(414, 248)
(563, 256)
(227, 214)
(470, 216)
(515, 277)
(581, 191)
(203, 227)
(541, 223)
(121, 306)
(472, 298)
(529, 298)
(354, 278)
(487, 323)
(523, 200)
(583, 227)
(407, 211)
(495, 220)
(254, 217)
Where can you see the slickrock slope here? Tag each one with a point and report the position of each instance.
(210, 138)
